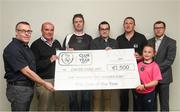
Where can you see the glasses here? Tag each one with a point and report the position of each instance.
(104, 29)
(24, 31)
(158, 27)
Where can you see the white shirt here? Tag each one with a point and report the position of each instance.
(158, 42)
(49, 44)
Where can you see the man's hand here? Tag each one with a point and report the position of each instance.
(53, 58)
(138, 57)
(70, 49)
(108, 48)
(48, 86)
(34, 77)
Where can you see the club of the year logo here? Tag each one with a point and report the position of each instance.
(65, 58)
(75, 58)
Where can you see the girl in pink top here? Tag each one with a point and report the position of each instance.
(149, 75)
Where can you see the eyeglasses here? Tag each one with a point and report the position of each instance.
(104, 29)
(158, 27)
(24, 31)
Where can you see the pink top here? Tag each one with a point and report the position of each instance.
(148, 72)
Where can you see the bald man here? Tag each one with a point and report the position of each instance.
(44, 49)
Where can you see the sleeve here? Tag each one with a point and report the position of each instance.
(90, 40)
(144, 42)
(15, 59)
(64, 44)
(58, 45)
(157, 73)
(117, 40)
(171, 54)
(93, 45)
(116, 44)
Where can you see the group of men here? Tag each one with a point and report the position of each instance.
(25, 65)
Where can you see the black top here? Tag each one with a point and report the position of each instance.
(79, 42)
(138, 41)
(100, 43)
(16, 56)
(43, 52)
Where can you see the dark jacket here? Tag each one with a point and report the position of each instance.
(99, 43)
(165, 57)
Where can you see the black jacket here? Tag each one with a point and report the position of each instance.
(165, 57)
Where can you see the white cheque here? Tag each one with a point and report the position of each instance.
(96, 69)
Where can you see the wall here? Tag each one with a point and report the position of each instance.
(4, 105)
(60, 12)
(175, 92)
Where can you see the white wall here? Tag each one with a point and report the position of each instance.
(4, 105)
(60, 12)
(175, 92)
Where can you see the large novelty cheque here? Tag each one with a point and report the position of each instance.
(96, 69)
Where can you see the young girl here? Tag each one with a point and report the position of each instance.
(149, 75)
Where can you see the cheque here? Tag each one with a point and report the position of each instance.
(96, 70)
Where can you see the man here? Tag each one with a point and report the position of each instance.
(78, 41)
(165, 55)
(130, 39)
(107, 43)
(44, 50)
(20, 69)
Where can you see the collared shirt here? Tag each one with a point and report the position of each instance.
(100, 43)
(138, 41)
(16, 56)
(158, 42)
(45, 40)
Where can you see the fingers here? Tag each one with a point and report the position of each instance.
(70, 49)
(49, 86)
(138, 57)
(108, 48)
(140, 87)
(53, 58)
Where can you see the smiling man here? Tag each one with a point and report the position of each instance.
(103, 42)
(79, 40)
(165, 55)
(44, 49)
(19, 63)
(130, 39)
